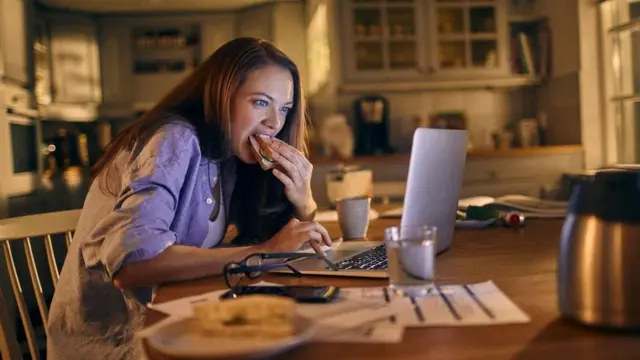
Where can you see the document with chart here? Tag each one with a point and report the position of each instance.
(446, 305)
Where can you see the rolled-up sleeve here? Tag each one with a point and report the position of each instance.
(139, 227)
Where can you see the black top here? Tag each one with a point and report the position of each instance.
(612, 195)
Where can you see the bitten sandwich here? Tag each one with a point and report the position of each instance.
(255, 316)
(265, 153)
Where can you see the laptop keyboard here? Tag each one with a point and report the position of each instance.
(372, 259)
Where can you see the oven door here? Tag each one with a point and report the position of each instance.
(19, 152)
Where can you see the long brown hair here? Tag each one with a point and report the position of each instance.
(259, 207)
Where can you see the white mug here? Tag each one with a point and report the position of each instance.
(353, 216)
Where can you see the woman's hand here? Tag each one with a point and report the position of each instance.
(293, 235)
(296, 178)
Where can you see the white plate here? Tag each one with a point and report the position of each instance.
(182, 338)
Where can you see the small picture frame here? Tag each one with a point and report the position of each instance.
(455, 120)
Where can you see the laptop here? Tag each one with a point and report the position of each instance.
(436, 167)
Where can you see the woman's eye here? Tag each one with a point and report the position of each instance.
(261, 103)
(285, 110)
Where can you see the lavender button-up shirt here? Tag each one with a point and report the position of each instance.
(164, 198)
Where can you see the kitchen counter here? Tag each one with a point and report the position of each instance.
(479, 153)
(531, 171)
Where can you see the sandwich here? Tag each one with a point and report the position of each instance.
(251, 316)
(264, 152)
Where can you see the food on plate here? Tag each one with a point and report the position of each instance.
(256, 316)
(264, 152)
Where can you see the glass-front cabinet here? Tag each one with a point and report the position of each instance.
(383, 39)
(421, 39)
(467, 35)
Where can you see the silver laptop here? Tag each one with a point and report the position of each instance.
(433, 188)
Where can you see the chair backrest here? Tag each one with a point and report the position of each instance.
(22, 229)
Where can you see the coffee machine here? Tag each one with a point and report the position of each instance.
(372, 125)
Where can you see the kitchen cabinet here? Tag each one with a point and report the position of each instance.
(75, 73)
(383, 39)
(42, 62)
(13, 41)
(424, 40)
(143, 57)
(256, 21)
(115, 42)
(66, 66)
(469, 38)
(216, 34)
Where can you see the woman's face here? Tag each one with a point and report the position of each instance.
(260, 107)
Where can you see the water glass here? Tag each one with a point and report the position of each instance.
(411, 251)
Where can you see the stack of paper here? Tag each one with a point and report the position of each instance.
(447, 305)
(377, 315)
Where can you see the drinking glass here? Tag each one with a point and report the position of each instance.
(411, 252)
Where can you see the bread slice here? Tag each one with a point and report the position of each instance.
(255, 316)
(264, 152)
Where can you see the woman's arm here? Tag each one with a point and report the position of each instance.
(179, 262)
(307, 212)
(135, 242)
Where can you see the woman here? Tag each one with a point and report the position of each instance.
(166, 188)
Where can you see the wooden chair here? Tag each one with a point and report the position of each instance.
(21, 230)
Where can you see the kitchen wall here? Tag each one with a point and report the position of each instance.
(573, 96)
(322, 101)
(568, 103)
(486, 110)
(569, 97)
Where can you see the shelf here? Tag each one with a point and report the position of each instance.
(161, 66)
(164, 52)
(368, 39)
(483, 36)
(393, 38)
(68, 112)
(526, 18)
(488, 153)
(378, 5)
(631, 97)
(508, 82)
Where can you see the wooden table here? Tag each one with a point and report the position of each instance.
(522, 262)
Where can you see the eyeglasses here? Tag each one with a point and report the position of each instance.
(254, 264)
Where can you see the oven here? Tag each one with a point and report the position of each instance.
(20, 133)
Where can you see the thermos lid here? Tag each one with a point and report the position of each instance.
(613, 195)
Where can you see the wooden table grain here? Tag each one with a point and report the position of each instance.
(522, 262)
